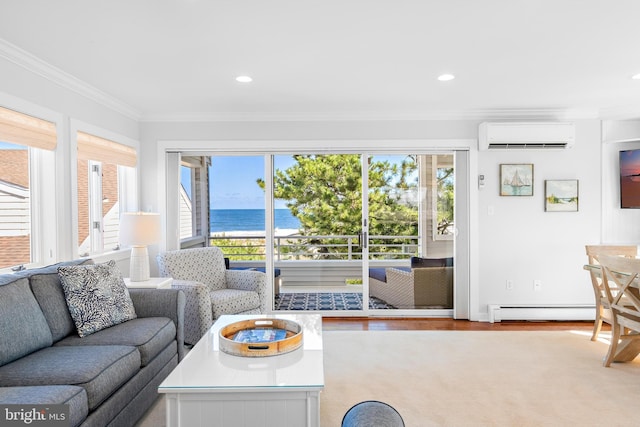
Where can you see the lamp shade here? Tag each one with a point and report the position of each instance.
(139, 228)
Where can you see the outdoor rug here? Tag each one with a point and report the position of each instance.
(325, 301)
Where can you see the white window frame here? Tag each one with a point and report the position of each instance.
(43, 178)
(127, 186)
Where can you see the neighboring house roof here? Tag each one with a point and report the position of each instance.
(15, 190)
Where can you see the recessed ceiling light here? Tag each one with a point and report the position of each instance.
(636, 76)
(446, 77)
(244, 79)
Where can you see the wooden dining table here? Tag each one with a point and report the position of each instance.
(628, 349)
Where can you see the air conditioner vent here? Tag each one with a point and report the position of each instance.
(526, 145)
(525, 136)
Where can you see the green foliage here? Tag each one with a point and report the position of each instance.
(325, 193)
(445, 199)
(241, 249)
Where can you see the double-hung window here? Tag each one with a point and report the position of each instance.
(26, 154)
(106, 185)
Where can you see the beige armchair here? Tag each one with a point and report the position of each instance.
(428, 287)
(210, 289)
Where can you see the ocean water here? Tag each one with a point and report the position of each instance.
(249, 220)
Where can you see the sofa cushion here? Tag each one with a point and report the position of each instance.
(233, 301)
(70, 395)
(97, 296)
(23, 327)
(149, 334)
(46, 287)
(381, 273)
(100, 370)
(417, 262)
(378, 274)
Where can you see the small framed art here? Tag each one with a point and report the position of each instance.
(516, 179)
(561, 195)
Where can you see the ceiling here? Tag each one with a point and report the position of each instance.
(336, 59)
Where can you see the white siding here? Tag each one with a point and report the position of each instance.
(15, 217)
(186, 218)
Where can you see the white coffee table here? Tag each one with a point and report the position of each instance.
(213, 388)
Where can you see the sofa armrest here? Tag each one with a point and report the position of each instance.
(162, 303)
(434, 286)
(198, 314)
(249, 280)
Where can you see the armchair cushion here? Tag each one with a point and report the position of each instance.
(234, 301)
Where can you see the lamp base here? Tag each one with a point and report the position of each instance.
(139, 265)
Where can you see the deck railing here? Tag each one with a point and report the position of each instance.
(320, 247)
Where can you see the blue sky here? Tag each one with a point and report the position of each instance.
(233, 181)
(9, 146)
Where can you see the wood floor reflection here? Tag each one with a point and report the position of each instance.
(431, 324)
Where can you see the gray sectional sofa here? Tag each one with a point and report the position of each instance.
(108, 378)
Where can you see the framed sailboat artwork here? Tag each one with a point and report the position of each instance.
(516, 179)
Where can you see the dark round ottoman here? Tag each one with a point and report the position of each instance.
(372, 413)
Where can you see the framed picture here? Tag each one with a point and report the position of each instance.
(516, 179)
(561, 195)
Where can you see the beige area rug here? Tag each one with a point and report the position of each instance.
(474, 378)
(479, 378)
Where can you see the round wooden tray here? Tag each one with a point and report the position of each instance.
(268, 347)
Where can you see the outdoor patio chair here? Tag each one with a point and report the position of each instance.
(428, 287)
(211, 290)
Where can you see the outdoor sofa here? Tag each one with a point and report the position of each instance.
(110, 376)
(428, 283)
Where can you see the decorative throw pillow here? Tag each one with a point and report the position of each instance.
(96, 296)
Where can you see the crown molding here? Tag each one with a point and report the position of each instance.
(488, 114)
(37, 66)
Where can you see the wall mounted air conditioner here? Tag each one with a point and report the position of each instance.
(525, 135)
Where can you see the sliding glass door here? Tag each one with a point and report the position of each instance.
(350, 233)
(410, 212)
(319, 255)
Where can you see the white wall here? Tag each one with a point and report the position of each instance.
(521, 242)
(33, 87)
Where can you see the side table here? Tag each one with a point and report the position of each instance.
(152, 283)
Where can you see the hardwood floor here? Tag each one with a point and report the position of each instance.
(431, 324)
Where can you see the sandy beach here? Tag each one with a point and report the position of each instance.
(284, 232)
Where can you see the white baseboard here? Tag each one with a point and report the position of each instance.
(498, 313)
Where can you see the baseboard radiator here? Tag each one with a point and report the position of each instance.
(498, 313)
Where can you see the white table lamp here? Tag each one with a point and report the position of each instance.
(138, 230)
